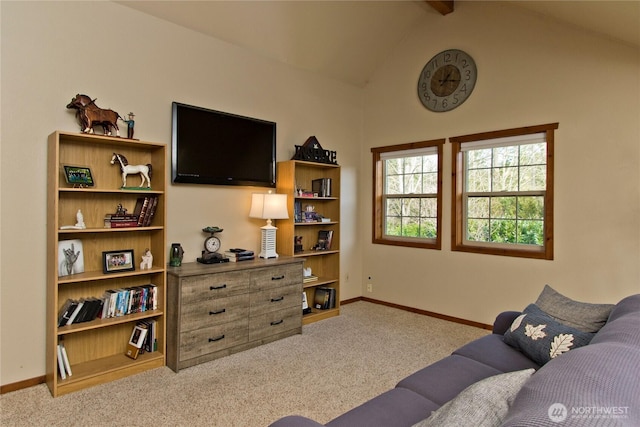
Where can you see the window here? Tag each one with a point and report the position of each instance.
(407, 196)
(503, 192)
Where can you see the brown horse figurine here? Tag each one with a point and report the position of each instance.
(90, 115)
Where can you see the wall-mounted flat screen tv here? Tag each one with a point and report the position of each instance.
(213, 147)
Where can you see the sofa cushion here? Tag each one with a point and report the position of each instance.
(396, 407)
(444, 379)
(593, 385)
(583, 316)
(483, 404)
(541, 338)
(492, 350)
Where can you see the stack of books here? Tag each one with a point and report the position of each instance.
(142, 215)
(120, 221)
(310, 278)
(237, 254)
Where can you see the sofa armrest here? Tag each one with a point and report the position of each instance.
(504, 320)
(295, 421)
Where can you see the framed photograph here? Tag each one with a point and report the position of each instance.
(116, 261)
(70, 257)
(138, 335)
(79, 176)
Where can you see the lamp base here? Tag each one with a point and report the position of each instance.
(268, 242)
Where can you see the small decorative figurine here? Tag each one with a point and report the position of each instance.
(80, 225)
(130, 123)
(147, 260)
(127, 169)
(90, 115)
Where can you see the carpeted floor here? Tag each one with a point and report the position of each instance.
(332, 367)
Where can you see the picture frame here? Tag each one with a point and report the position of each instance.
(118, 261)
(138, 335)
(70, 257)
(80, 176)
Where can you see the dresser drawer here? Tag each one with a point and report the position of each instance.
(276, 299)
(282, 275)
(209, 340)
(209, 286)
(275, 322)
(211, 312)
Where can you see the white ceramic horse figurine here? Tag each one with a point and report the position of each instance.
(127, 169)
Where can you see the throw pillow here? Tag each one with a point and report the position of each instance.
(583, 316)
(541, 338)
(483, 404)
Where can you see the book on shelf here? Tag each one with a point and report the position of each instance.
(65, 359)
(297, 211)
(311, 278)
(61, 368)
(138, 335)
(145, 210)
(120, 221)
(321, 187)
(150, 343)
(324, 298)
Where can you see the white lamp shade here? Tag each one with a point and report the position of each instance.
(268, 206)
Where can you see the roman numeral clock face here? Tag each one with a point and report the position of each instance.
(447, 80)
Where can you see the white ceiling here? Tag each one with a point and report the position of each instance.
(348, 40)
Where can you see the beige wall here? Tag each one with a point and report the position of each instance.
(530, 71)
(133, 62)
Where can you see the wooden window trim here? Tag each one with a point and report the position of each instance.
(457, 171)
(378, 188)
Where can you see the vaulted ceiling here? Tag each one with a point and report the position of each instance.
(348, 40)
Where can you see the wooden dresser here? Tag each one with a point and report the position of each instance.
(219, 309)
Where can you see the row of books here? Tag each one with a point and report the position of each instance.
(324, 298)
(114, 303)
(63, 362)
(321, 187)
(142, 215)
(236, 255)
(144, 338)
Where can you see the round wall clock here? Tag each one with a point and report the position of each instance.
(447, 80)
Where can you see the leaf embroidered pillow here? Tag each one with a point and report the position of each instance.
(541, 338)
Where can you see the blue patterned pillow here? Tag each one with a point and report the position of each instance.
(541, 338)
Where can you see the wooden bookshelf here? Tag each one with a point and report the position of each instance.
(96, 349)
(295, 175)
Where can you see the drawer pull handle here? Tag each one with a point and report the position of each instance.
(211, 313)
(277, 299)
(216, 338)
(215, 288)
(277, 322)
(277, 277)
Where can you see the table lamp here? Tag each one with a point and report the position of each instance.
(268, 206)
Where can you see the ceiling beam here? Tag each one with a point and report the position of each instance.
(443, 6)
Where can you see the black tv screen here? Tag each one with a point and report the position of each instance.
(212, 147)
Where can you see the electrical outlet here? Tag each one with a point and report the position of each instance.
(369, 287)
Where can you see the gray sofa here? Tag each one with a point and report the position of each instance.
(596, 384)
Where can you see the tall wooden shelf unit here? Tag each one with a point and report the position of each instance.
(96, 349)
(291, 176)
